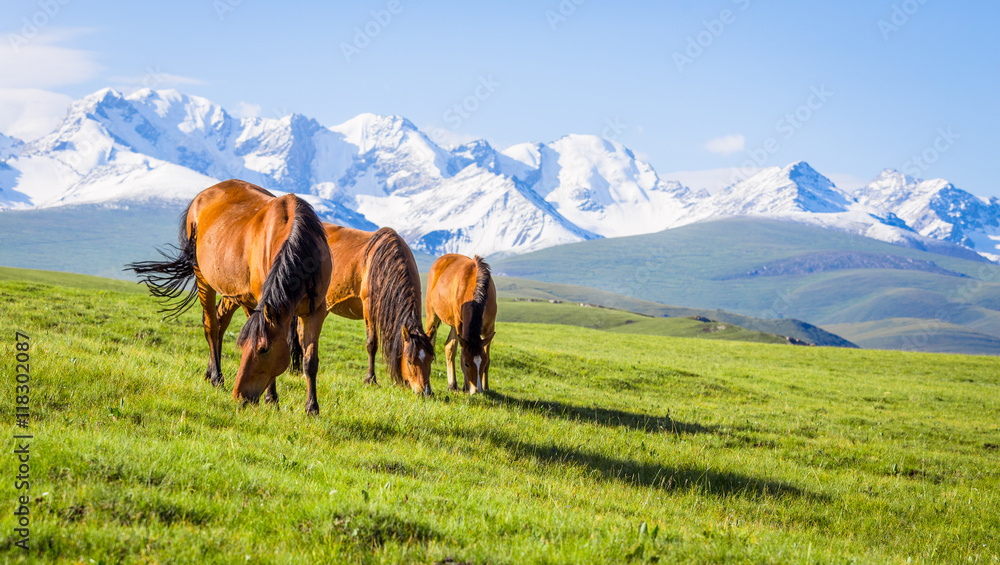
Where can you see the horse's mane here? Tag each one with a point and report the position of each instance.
(394, 300)
(473, 330)
(293, 272)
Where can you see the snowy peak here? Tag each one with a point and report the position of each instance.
(795, 188)
(9, 146)
(937, 209)
(775, 190)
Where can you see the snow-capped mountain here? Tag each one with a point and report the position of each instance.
(382, 170)
(597, 184)
(799, 193)
(936, 209)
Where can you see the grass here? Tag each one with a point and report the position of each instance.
(622, 321)
(593, 447)
(509, 287)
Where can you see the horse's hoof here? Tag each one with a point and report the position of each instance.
(370, 380)
(218, 383)
(312, 409)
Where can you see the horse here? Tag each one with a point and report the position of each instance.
(377, 280)
(461, 293)
(263, 253)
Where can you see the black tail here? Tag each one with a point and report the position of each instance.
(169, 279)
(474, 329)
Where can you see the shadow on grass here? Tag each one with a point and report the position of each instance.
(668, 478)
(602, 416)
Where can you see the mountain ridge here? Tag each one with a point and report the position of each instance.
(377, 170)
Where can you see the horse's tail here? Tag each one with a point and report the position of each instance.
(394, 299)
(169, 279)
(473, 330)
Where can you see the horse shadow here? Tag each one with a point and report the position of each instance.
(602, 416)
(683, 478)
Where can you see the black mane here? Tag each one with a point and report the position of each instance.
(394, 300)
(473, 330)
(293, 273)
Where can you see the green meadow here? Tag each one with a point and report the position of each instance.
(595, 446)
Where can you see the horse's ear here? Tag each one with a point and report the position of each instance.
(406, 334)
(488, 338)
(460, 330)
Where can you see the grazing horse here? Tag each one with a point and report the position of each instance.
(267, 255)
(377, 280)
(461, 293)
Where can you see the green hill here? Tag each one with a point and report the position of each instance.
(770, 269)
(593, 447)
(525, 288)
(621, 321)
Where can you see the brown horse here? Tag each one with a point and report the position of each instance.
(377, 280)
(461, 293)
(267, 255)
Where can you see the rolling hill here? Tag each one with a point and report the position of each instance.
(730, 264)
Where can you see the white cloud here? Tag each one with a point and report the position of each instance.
(30, 113)
(40, 62)
(726, 144)
(246, 110)
(154, 78)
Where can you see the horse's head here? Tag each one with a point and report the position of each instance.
(475, 362)
(415, 365)
(264, 353)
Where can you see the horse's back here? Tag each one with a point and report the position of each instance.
(451, 284)
(347, 249)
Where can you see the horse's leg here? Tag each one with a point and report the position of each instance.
(486, 373)
(271, 394)
(372, 346)
(450, 348)
(311, 326)
(210, 321)
(433, 321)
(223, 316)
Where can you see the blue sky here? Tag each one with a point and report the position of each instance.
(852, 87)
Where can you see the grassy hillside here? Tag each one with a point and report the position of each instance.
(772, 269)
(593, 447)
(621, 321)
(525, 288)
